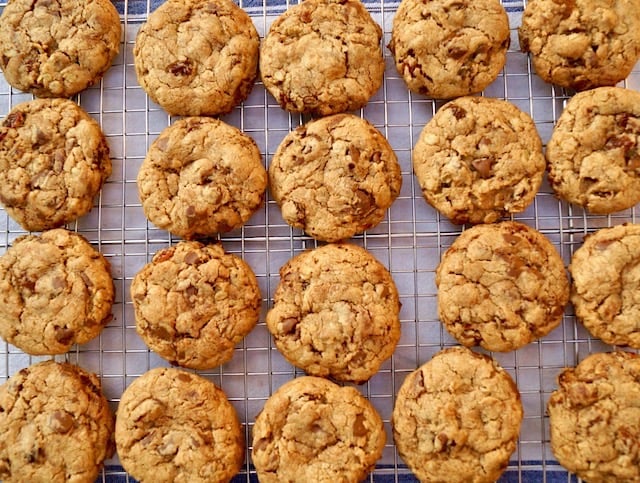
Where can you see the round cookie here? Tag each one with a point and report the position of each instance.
(445, 49)
(323, 57)
(56, 290)
(501, 286)
(54, 159)
(593, 155)
(335, 313)
(57, 49)
(605, 293)
(56, 425)
(197, 57)
(479, 159)
(457, 418)
(334, 177)
(201, 177)
(172, 425)
(581, 44)
(193, 303)
(311, 429)
(594, 418)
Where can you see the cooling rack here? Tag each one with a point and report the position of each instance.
(409, 242)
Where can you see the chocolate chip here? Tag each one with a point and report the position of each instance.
(457, 111)
(191, 211)
(61, 421)
(364, 202)
(457, 52)
(355, 156)
(289, 325)
(483, 166)
(191, 258)
(87, 281)
(184, 377)
(359, 429)
(261, 444)
(14, 120)
(58, 283)
(181, 67)
(64, 335)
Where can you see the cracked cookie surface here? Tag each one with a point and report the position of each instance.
(173, 425)
(57, 48)
(323, 57)
(595, 418)
(335, 313)
(501, 286)
(54, 160)
(582, 44)
(201, 177)
(56, 290)
(605, 273)
(197, 57)
(457, 418)
(56, 425)
(311, 429)
(479, 159)
(193, 303)
(449, 48)
(334, 177)
(594, 152)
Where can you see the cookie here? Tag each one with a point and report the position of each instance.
(193, 303)
(581, 44)
(197, 57)
(594, 417)
(57, 49)
(449, 48)
(501, 286)
(201, 177)
(172, 425)
(54, 160)
(323, 57)
(457, 418)
(56, 425)
(335, 313)
(56, 290)
(606, 286)
(593, 155)
(311, 429)
(479, 159)
(334, 177)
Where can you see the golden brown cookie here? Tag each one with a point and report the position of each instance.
(311, 429)
(193, 303)
(457, 418)
(336, 313)
(334, 177)
(173, 425)
(56, 425)
(595, 418)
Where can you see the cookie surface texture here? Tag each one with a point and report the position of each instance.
(193, 303)
(314, 430)
(56, 290)
(172, 425)
(457, 418)
(582, 44)
(323, 57)
(200, 177)
(335, 313)
(197, 57)
(501, 286)
(54, 159)
(57, 49)
(56, 425)
(594, 418)
(594, 154)
(606, 284)
(479, 159)
(445, 49)
(334, 177)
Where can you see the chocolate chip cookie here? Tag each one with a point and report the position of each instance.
(197, 57)
(56, 290)
(56, 425)
(201, 177)
(193, 303)
(479, 159)
(314, 430)
(334, 177)
(336, 313)
(457, 418)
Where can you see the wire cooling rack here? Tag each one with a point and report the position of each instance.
(409, 242)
